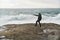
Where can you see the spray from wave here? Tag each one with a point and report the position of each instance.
(20, 16)
(26, 18)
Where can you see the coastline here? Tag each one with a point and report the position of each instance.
(27, 31)
(45, 25)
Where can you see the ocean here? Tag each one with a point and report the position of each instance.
(26, 15)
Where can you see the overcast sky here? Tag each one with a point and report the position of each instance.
(29, 3)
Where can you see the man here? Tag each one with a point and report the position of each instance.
(39, 19)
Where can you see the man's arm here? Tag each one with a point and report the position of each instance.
(35, 15)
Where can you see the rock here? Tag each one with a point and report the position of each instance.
(53, 34)
(48, 31)
(2, 37)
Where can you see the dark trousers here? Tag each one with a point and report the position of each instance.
(38, 21)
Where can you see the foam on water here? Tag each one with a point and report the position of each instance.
(50, 19)
(17, 19)
(26, 18)
(21, 16)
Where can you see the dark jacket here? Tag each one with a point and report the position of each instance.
(39, 17)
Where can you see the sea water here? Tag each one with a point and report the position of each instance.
(27, 15)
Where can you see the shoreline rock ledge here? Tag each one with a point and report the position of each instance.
(48, 31)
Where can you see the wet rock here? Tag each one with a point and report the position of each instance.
(53, 34)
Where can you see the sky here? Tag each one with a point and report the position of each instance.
(29, 3)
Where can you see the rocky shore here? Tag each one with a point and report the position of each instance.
(48, 31)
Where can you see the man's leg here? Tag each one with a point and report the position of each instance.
(36, 23)
(40, 24)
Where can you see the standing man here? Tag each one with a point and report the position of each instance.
(38, 20)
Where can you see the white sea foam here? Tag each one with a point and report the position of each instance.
(21, 16)
(17, 19)
(26, 18)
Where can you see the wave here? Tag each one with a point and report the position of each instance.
(51, 19)
(27, 18)
(17, 19)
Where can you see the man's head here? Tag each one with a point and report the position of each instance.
(39, 13)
